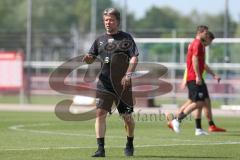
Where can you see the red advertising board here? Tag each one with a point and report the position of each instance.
(11, 70)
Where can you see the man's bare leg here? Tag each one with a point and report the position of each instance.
(100, 129)
(129, 125)
(100, 123)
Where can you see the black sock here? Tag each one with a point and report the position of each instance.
(211, 123)
(198, 123)
(130, 141)
(181, 116)
(100, 142)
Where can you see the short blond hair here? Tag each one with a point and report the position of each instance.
(112, 11)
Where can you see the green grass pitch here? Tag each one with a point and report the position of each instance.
(42, 136)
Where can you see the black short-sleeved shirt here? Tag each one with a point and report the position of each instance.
(106, 46)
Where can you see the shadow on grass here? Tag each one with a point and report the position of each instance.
(231, 133)
(180, 157)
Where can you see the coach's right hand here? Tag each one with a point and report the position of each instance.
(88, 58)
(218, 78)
(126, 81)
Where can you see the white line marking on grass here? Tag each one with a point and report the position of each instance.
(163, 139)
(188, 144)
(22, 128)
(137, 146)
(45, 148)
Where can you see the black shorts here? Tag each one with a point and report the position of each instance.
(123, 100)
(197, 92)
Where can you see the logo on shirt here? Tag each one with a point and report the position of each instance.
(110, 40)
(200, 95)
(99, 101)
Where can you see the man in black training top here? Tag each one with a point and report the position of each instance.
(118, 54)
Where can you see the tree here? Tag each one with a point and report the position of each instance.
(102, 4)
(53, 15)
(155, 17)
(82, 12)
(12, 15)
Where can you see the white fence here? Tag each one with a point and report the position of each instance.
(227, 89)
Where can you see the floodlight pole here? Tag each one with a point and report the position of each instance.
(124, 16)
(226, 20)
(226, 48)
(28, 48)
(226, 32)
(174, 60)
(93, 18)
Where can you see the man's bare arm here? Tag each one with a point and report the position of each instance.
(196, 70)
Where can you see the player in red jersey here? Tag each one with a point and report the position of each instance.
(207, 107)
(198, 93)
